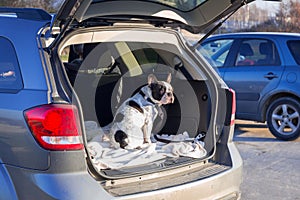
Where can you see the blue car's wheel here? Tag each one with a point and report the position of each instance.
(283, 118)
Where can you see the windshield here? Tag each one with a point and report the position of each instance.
(216, 52)
(182, 5)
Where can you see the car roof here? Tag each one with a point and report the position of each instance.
(260, 34)
(34, 14)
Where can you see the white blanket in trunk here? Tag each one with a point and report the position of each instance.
(103, 156)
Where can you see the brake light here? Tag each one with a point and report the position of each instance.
(55, 126)
(233, 107)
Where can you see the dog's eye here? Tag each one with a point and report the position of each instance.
(169, 94)
(162, 90)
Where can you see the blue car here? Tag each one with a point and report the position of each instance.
(63, 78)
(264, 70)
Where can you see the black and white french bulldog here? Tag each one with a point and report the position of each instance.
(133, 122)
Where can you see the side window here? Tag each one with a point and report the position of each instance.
(216, 51)
(89, 58)
(257, 52)
(294, 46)
(10, 76)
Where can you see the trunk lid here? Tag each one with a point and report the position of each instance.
(193, 15)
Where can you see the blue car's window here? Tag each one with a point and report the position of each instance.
(216, 51)
(258, 52)
(294, 46)
(10, 77)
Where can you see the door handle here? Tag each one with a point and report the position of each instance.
(270, 76)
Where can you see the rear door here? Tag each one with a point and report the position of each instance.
(253, 72)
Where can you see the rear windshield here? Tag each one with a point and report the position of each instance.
(294, 46)
(183, 5)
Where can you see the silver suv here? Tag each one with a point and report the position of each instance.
(63, 78)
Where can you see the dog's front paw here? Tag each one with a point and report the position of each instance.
(147, 141)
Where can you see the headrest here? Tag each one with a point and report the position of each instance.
(246, 50)
(265, 48)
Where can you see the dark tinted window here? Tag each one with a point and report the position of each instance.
(257, 52)
(294, 46)
(183, 5)
(10, 77)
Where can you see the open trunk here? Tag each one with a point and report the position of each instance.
(107, 66)
(110, 47)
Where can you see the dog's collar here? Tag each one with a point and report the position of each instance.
(146, 98)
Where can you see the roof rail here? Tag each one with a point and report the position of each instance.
(25, 13)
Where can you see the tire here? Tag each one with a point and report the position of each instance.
(283, 118)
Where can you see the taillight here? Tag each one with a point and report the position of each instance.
(233, 107)
(55, 126)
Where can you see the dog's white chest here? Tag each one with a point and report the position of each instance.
(133, 122)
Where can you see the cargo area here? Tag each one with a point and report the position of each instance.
(105, 74)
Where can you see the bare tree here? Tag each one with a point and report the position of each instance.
(247, 16)
(287, 18)
(295, 15)
(283, 16)
(49, 5)
(252, 18)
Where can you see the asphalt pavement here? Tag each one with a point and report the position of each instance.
(271, 167)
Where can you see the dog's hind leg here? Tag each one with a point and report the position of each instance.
(121, 138)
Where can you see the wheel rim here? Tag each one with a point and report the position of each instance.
(285, 119)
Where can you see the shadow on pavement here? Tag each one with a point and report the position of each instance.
(255, 139)
(253, 132)
(251, 126)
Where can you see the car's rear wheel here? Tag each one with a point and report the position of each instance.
(283, 118)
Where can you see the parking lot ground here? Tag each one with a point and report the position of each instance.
(271, 166)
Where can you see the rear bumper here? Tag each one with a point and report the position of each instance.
(32, 184)
(23, 183)
(225, 185)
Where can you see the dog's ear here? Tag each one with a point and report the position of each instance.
(152, 79)
(169, 78)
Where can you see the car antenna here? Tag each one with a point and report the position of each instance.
(194, 47)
